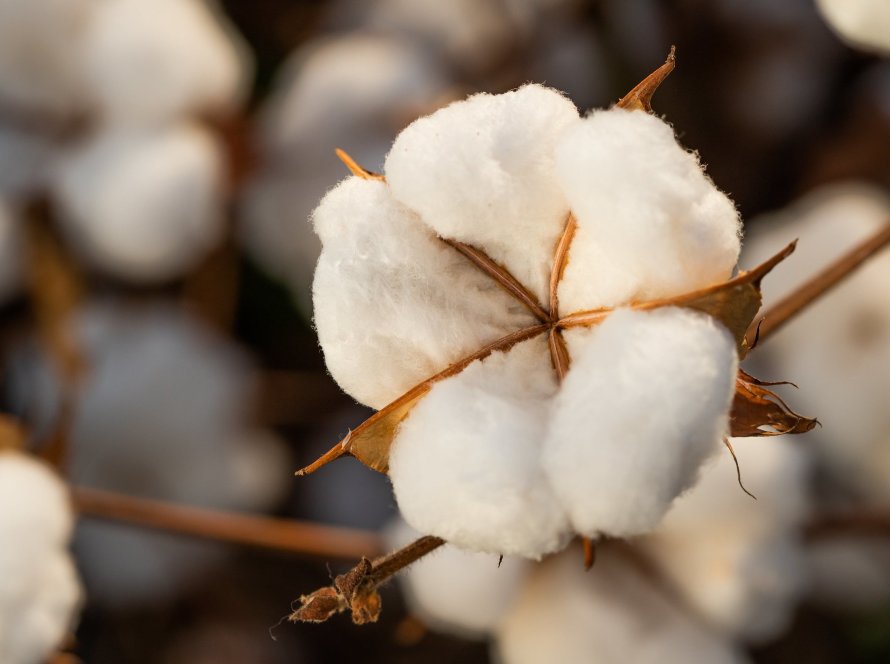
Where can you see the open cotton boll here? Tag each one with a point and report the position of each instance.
(162, 414)
(644, 403)
(40, 595)
(465, 464)
(482, 171)
(393, 303)
(39, 44)
(355, 92)
(612, 615)
(142, 205)
(152, 61)
(842, 341)
(650, 222)
(863, 23)
(740, 562)
(11, 249)
(458, 592)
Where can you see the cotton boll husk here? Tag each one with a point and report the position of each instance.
(39, 44)
(849, 573)
(349, 92)
(40, 595)
(864, 24)
(740, 562)
(393, 303)
(465, 464)
(11, 248)
(841, 341)
(162, 415)
(152, 61)
(481, 171)
(610, 615)
(458, 592)
(142, 205)
(643, 405)
(651, 223)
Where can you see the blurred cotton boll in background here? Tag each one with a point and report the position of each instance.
(354, 92)
(864, 24)
(163, 414)
(40, 595)
(143, 205)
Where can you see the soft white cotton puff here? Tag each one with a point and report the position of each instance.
(466, 463)
(740, 562)
(482, 171)
(645, 402)
(611, 615)
(40, 594)
(458, 592)
(148, 61)
(650, 222)
(393, 302)
(11, 248)
(162, 414)
(863, 23)
(142, 205)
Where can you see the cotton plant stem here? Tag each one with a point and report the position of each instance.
(388, 565)
(263, 532)
(790, 306)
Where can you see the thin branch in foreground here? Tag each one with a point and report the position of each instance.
(250, 530)
(787, 308)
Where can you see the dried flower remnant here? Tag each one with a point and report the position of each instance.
(431, 285)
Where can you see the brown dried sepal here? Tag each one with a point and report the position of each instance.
(758, 411)
(355, 590)
(640, 98)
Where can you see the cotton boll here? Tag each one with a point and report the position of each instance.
(841, 341)
(481, 171)
(651, 224)
(611, 615)
(11, 248)
(862, 23)
(143, 205)
(393, 303)
(40, 595)
(740, 562)
(151, 61)
(162, 414)
(465, 464)
(458, 592)
(644, 403)
(39, 43)
(355, 92)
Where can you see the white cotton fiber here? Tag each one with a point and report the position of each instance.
(40, 595)
(838, 349)
(650, 222)
(482, 171)
(149, 61)
(11, 250)
(40, 42)
(143, 205)
(465, 465)
(863, 23)
(458, 592)
(393, 303)
(645, 402)
(610, 615)
(740, 562)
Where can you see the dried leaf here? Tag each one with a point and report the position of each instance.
(319, 606)
(757, 411)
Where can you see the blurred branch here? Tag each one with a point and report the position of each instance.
(850, 522)
(251, 530)
(787, 308)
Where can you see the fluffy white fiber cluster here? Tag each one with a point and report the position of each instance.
(863, 23)
(501, 458)
(40, 594)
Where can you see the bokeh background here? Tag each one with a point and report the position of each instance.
(158, 164)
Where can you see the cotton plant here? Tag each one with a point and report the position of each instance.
(864, 24)
(41, 595)
(163, 414)
(542, 308)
